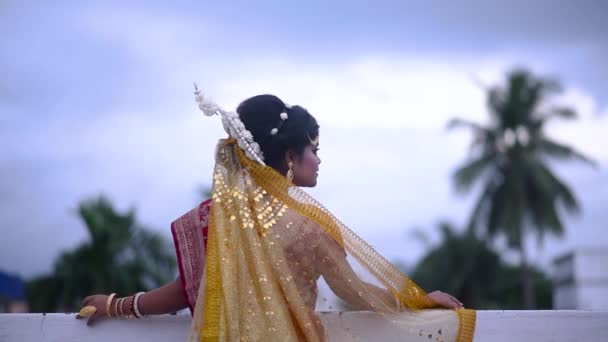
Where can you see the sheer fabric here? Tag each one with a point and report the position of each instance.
(268, 245)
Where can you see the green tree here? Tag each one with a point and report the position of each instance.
(468, 268)
(510, 158)
(120, 256)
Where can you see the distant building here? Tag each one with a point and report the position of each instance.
(580, 280)
(12, 294)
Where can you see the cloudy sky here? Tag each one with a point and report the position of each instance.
(97, 98)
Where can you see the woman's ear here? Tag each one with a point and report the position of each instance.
(291, 157)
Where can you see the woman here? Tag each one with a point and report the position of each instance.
(250, 258)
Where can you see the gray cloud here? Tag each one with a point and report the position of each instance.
(90, 106)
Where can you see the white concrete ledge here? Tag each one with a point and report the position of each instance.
(495, 326)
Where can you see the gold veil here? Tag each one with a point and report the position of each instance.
(268, 244)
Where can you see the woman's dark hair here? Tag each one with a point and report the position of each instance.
(260, 114)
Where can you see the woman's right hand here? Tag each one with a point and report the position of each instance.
(445, 300)
(99, 302)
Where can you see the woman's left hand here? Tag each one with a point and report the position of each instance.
(99, 302)
(445, 300)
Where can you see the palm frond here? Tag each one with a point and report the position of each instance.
(479, 213)
(496, 205)
(467, 175)
(562, 192)
(458, 122)
(545, 192)
(559, 151)
(447, 230)
(561, 113)
(496, 102)
(419, 234)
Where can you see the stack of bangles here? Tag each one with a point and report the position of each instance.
(115, 308)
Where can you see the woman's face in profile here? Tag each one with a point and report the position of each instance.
(306, 169)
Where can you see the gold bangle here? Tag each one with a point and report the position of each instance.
(116, 308)
(125, 312)
(122, 309)
(136, 311)
(108, 304)
(119, 308)
(130, 302)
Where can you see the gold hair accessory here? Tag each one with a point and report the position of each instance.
(315, 141)
(232, 125)
(87, 311)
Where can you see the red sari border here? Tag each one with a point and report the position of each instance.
(190, 238)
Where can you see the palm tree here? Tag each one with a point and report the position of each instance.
(510, 158)
(120, 256)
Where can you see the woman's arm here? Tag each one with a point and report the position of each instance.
(163, 300)
(345, 283)
(342, 279)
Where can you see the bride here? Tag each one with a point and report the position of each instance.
(250, 257)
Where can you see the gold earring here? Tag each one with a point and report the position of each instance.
(290, 173)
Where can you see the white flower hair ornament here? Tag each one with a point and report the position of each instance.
(284, 117)
(232, 125)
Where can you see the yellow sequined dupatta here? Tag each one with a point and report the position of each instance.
(268, 245)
